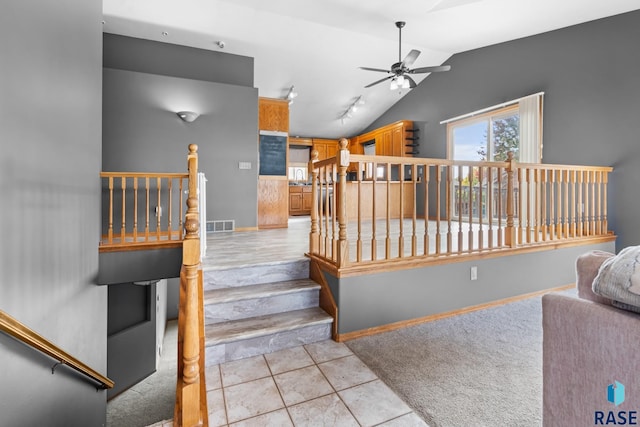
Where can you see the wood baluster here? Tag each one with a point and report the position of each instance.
(110, 231)
(480, 210)
(592, 209)
(426, 170)
(359, 241)
(169, 225)
(598, 183)
(438, 191)
(565, 179)
(543, 199)
(500, 206)
(510, 236)
(447, 196)
(605, 221)
(158, 208)
(552, 204)
(414, 204)
(327, 239)
(314, 235)
(536, 214)
(146, 217)
(123, 229)
(521, 219)
(580, 219)
(470, 207)
(401, 220)
(572, 227)
(530, 201)
(460, 205)
(181, 215)
(374, 243)
(135, 209)
(490, 205)
(387, 241)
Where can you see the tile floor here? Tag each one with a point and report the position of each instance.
(320, 384)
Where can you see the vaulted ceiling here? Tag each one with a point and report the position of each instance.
(318, 46)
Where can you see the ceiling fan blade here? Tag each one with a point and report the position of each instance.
(375, 69)
(430, 69)
(410, 58)
(412, 83)
(379, 81)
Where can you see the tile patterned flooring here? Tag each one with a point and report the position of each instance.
(319, 384)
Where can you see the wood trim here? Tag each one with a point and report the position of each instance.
(141, 246)
(327, 302)
(22, 333)
(412, 322)
(143, 175)
(396, 264)
(241, 229)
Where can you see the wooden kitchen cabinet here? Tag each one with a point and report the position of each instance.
(326, 147)
(300, 199)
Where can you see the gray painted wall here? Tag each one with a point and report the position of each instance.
(146, 56)
(141, 131)
(50, 134)
(592, 101)
(132, 350)
(383, 298)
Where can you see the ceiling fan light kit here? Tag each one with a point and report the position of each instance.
(399, 72)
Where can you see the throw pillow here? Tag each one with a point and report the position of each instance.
(619, 279)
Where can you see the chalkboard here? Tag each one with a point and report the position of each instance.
(273, 155)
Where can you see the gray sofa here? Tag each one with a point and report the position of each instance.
(588, 345)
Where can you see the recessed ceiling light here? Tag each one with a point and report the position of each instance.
(164, 33)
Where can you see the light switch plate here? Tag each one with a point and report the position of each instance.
(244, 165)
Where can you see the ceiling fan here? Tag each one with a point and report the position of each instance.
(399, 72)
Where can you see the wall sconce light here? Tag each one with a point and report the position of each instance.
(188, 116)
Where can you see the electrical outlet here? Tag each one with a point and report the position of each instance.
(474, 273)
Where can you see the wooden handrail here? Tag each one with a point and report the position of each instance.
(18, 330)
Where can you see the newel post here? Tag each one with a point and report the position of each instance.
(190, 414)
(510, 231)
(341, 199)
(314, 234)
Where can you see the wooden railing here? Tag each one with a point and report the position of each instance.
(13, 327)
(399, 208)
(142, 208)
(191, 397)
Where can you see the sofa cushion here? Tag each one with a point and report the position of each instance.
(619, 279)
(587, 266)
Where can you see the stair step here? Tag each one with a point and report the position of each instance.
(223, 305)
(238, 339)
(256, 274)
(265, 290)
(264, 325)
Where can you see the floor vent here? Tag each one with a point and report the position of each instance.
(221, 225)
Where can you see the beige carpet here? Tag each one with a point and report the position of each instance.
(477, 369)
